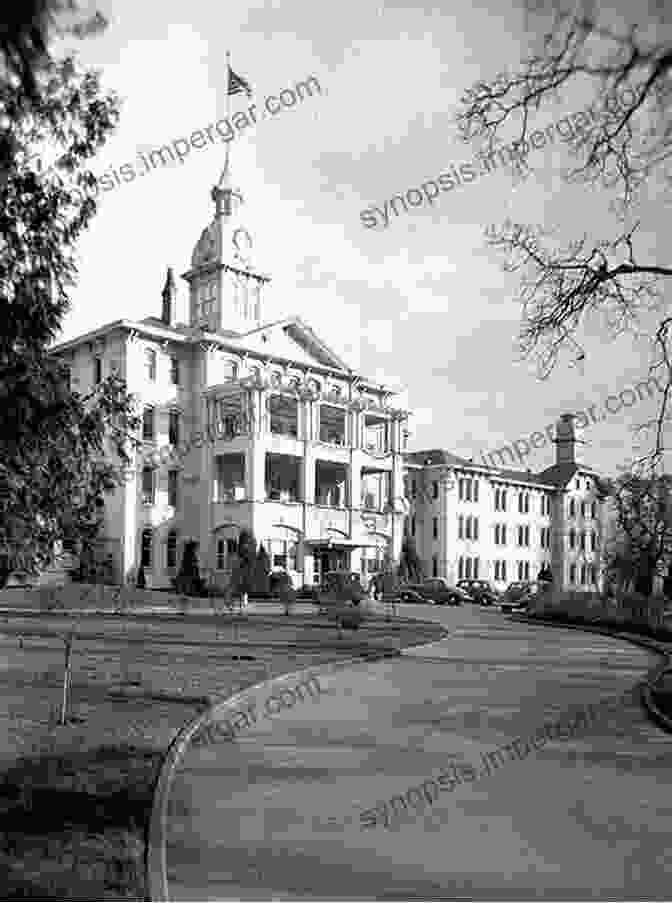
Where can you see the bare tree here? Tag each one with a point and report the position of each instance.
(622, 55)
(643, 537)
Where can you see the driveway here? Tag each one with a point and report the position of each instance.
(275, 813)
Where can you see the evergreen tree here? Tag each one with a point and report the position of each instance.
(262, 571)
(188, 580)
(244, 573)
(52, 440)
(410, 563)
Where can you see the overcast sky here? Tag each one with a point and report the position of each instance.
(422, 303)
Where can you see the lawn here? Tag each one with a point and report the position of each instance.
(76, 798)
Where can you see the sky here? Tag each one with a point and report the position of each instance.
(422, 304)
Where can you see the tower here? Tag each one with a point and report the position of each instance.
(565, 440)
(224, 286)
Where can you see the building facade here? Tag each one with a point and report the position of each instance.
(478, 521)
(245, 423)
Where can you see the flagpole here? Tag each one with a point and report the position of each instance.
(228, 107)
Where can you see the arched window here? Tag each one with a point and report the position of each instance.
(146, 548)
(171, 550)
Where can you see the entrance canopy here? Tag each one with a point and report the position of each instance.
(340, 543)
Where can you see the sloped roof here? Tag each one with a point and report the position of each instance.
(435, 456)
(558, 475)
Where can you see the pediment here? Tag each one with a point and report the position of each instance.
(294, 341)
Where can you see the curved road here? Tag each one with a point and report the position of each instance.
(276, 813)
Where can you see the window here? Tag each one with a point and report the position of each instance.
(461, 489)
(146, 548)
(148, 424)
(545, 537)
(414, 489)
(572, 507)
(171, 550)
(593, 510)
(97, 370)
(475, 490)
(460, 526)
(467, 484)
(545, 505)
(572, 573)
(577, 483)
(500, 571)
(472, 527)
(435, 566)
(231, 372)
(172, 488)
(476, 568)
(148, 486)
(221, 554)
(460, 569)
(175, 371)
(572, 538)
(583, 573)
(150, 364)
(500, 534)
(282, 553)
(593, 541)
(174, 428)
(413, 525)
(582, 542)
(524, 535)
(435, 490)
(500, 499)
(583, 509)
(435, 527)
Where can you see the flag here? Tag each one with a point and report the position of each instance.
(237, 84)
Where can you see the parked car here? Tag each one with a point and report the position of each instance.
(339, 596)
(516, 596)
(436, 590)
(412, 593)
(480, 591)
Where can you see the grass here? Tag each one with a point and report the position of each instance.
(76, 798)
(73, 825)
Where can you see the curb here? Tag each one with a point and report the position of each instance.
(646, 684)
(155, 860)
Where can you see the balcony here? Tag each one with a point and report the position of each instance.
(283, 477)
(375, 488)
(283, 416)
(330, 484)
(332, 425)
(229, 478)
(376, 435)
(231, 494)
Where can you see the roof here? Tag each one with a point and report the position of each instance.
(561, 474)
(437, 456)
(557, 476)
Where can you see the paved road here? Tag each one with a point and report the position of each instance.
(276, 813)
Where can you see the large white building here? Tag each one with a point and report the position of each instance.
(246, 423)
(477, 521)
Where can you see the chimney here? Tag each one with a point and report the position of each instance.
(565, 440)
(169, 298)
